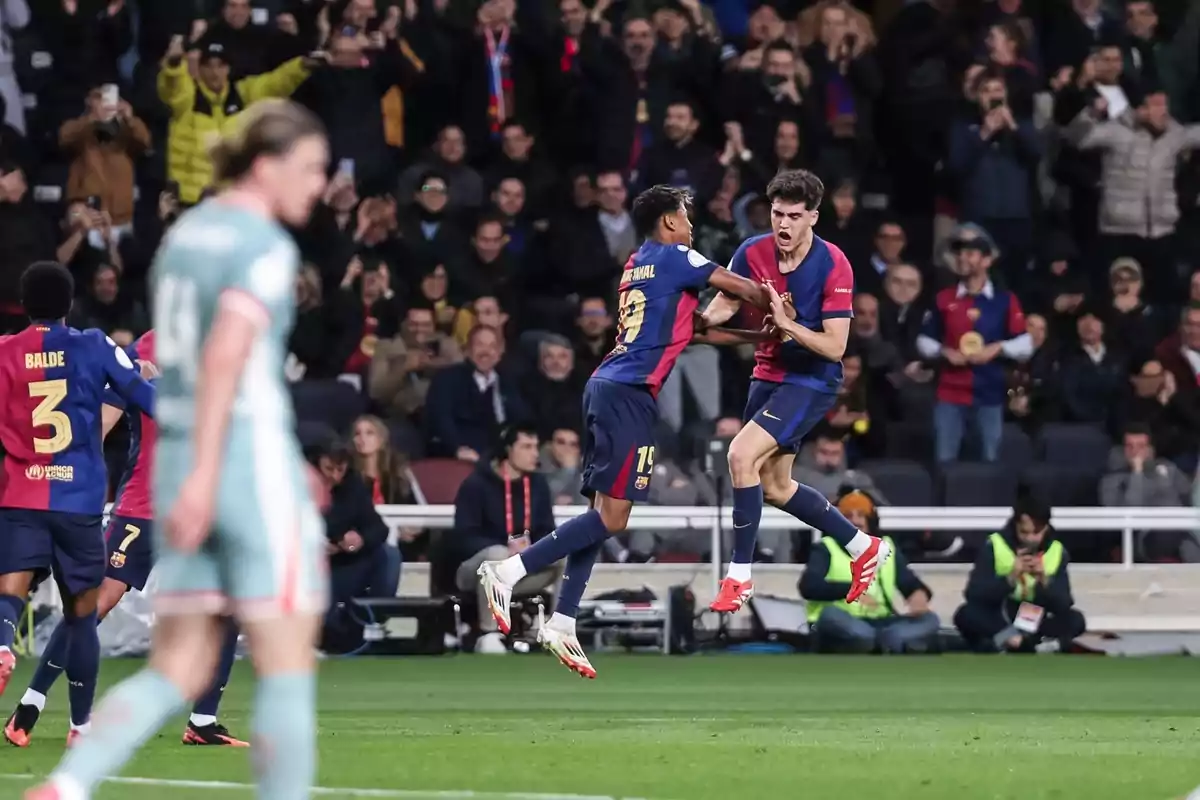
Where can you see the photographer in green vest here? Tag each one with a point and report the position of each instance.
(1019, 594)
(892, 617)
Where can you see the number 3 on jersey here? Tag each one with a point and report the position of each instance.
(47, 415)
(630, 314)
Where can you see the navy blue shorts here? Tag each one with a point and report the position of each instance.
(786, 411)
(618, 439)
(130, 555)
(69, 545)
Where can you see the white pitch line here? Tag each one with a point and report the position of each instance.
(322, 791)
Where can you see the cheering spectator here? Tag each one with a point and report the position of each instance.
(845, 84)
(993, 157)
(469, 402)
(104, 143)
(347, 94)
(88, 239)
(764, 96)
(1138, 478)
(208, 104)
(1138, 207)
(106, 307)
(376, 311)
(501, 508)
(972, 327)
(252, 46)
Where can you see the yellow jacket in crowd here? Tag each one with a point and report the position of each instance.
(197, 113)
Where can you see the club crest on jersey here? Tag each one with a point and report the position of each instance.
(972, 313)
(642, 482)
(117, 560)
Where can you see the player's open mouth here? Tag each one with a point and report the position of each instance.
(784, 236)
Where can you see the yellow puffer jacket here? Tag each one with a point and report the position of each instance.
(197, 114)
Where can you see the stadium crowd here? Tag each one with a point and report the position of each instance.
(461, 271)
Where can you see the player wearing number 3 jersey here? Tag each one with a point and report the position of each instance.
(236, 528)
(659, 296)
(53, 380)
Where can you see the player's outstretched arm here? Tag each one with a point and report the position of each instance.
(829, 343)
(123, 377)
(719, 311)
(741, 288)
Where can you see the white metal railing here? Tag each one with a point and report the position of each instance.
(892, 518)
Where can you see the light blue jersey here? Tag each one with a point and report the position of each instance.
(266, 550)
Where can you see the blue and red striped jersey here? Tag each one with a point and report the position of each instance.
(659, 293)
(970, 323)
(821, 288)
(53, 380)
(133, 490)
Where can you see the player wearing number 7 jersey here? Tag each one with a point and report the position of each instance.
(659, 296)
(53, 380)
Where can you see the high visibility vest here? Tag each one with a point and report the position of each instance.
(883, 589)
(1004, 557)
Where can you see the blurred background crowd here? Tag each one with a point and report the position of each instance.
(460, 273)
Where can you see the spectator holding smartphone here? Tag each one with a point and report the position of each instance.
(104, 141)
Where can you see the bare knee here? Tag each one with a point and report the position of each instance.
(82, 604)
(747, 453)
(777, 492)
(111, 593)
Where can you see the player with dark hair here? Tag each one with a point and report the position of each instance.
(130, 559)
(658, 300)
(237, 529)
(53, 380)
(795, 384)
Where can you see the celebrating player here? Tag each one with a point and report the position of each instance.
(130, 559)
(658, 300)
(795, 382)
(52, 379)
(239, 528)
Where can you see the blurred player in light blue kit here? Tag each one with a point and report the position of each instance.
(238, 529)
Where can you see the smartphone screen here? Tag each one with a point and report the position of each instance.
(346, 167)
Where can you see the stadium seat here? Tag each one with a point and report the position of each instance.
(1071, 444)
(405, 438)
(1061, 486)
(966, 483)
(902, 482)
(1016, 448)
(439, 478)
(333, 402)
(314, 435)
(909, 440)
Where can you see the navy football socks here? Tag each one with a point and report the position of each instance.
(747, 514)
(54, 659)
(11, 609)
(83, 665)
(575, 579)
(207, 705)
(813, 509)
(572, 536)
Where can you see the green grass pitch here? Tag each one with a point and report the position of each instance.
(748, 727)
